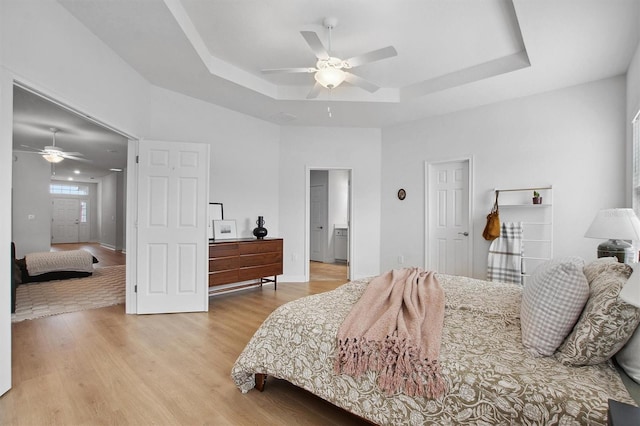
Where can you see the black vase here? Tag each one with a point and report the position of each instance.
(260, 232)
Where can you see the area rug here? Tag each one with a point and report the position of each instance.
(105, 287)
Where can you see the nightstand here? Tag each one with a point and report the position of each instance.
(621, 414)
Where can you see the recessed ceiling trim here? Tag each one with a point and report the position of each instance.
(217, 66)
(472, 74)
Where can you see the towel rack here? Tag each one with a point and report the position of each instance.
(537, 219)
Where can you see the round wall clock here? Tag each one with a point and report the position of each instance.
(402, 194)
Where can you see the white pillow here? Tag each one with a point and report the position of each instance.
(552, 301)
(629, 356)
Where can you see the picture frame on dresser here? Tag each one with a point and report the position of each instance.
(215, 212)
(224, 230)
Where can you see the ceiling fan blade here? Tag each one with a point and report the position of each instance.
(315, 44)
(72, 157)
(360, 82)
(288, 70)
(36, 150)
(75, 154)
(374, 55)
(315, 91)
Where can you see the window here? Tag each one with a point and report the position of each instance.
(66, 189)
(83, 212)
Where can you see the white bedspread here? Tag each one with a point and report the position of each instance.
(74, 260)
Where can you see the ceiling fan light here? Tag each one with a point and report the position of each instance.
(330, 77)
(53, 157)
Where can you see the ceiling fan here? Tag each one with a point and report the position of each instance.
(54, 154)
(330, 71)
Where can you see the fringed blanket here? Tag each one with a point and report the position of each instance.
(395, 329)
(51, 261)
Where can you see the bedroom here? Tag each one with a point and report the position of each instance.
(576, 128)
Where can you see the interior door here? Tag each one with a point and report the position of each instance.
(318, 216)
(172, 243)
(65, 225)
(448, 226)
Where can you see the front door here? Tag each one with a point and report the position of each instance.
(65, 224)
(172, 253)
(448, 212)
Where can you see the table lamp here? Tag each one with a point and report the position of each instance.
(617, 225)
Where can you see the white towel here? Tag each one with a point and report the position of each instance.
(505, 255)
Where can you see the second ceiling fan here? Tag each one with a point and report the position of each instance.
(330, 71)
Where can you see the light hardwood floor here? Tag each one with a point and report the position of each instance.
(105, 367)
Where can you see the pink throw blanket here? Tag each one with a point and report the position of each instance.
(395, 329)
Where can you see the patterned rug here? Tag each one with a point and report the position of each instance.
(105, 287)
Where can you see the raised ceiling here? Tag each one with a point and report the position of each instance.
(452, 54)
(33, 118)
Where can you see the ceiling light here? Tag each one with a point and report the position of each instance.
(76, 172)
(115, 170)
(69, 178)
(330, 77)
(53, 157)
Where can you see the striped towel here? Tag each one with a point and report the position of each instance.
(505, 255)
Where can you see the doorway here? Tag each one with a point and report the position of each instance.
(449, 234)
(329, 224)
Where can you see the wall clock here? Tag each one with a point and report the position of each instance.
(402, 194)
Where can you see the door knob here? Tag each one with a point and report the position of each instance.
(466, 234)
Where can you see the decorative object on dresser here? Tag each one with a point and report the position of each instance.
(215, 213)
(260, 232)
(224, 230)
(616, 225)
(244, 259)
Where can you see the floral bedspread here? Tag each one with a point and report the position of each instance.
(490, 378)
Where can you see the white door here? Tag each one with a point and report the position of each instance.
(448, 239)
(65, 224)
(318, 215)
(172, 265)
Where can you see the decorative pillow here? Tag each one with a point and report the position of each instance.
(598, 266)
(552, 301)
(606, 322)
(629, 356)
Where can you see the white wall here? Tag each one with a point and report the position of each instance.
(108, 210)
(573, 139)
(30, 191)
(344, 148)
(244, 155)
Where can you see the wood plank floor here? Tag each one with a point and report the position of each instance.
(105, 367)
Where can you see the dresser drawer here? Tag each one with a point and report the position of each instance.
(259, 259)
(224, 263)
(261, 246)
(223, 277)
(223, 250)
(254, 272)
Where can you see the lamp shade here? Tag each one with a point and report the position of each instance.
(615, 224)
(330, 77)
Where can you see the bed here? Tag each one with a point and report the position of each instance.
(490, 377)
(49, 266)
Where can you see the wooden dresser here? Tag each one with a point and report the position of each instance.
(244, 259)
